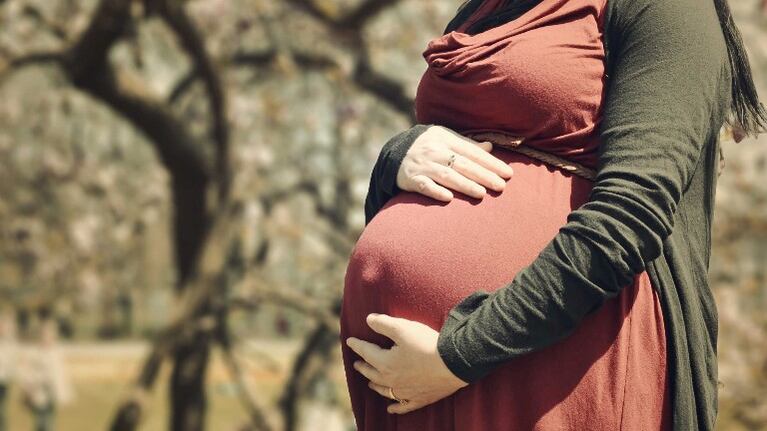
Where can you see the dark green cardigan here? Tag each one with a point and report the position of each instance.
(667, 96)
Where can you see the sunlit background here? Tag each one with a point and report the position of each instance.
(181, 183)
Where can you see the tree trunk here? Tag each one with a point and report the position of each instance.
(190, 361)
(187, 386)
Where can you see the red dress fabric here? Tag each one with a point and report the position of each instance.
(540, 76)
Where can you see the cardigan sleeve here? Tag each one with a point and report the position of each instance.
(663, 98)
(383, 179)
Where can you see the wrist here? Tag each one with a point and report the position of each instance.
(453, 360)
(394, 152)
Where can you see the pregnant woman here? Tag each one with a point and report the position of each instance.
(574, 294)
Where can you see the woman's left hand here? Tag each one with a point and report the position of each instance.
(413, 367)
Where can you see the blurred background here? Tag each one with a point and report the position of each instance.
(181, 183)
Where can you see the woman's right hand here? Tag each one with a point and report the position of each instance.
(424, 168)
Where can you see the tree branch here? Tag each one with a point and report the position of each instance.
(366, 11)
(352, 21)
(388, 90)
(248, 400)
(177, 19)
(56, 29)
(14, 64)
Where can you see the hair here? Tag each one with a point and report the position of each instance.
(746, 112)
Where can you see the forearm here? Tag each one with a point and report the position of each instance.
(543, 304)
(657, 119)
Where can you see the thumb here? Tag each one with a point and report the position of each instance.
(385, 325)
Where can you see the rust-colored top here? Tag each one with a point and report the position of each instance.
(529, 77)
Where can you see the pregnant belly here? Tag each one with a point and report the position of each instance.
(419, 257)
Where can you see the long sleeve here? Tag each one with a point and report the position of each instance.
(383, 179)
(665, 91)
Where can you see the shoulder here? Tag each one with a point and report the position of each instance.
(671, 34)
(665, 19)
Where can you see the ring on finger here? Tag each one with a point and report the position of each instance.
(451, 160)
(394, 397)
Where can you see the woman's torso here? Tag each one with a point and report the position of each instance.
(540, 76)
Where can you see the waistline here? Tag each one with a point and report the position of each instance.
(515, 143)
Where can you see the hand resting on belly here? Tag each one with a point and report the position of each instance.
(426, 168)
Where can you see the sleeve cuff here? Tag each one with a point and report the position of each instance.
(456, 361)
(394, 152)
(383, 179)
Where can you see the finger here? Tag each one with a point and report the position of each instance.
(369, 352)
(369, 372)
(451, 178)
(385, 325)
(381, 389)
(485, 145)
(466, 147)
(426, 186)
(479, 174)
(399, 408)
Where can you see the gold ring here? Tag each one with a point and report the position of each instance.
(394, 397)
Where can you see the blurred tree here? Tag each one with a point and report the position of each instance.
(246, 129)
(100, 52)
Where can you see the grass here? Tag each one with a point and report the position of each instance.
(101, 376)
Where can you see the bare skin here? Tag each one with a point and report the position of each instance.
(424, 168)
(413, 368)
